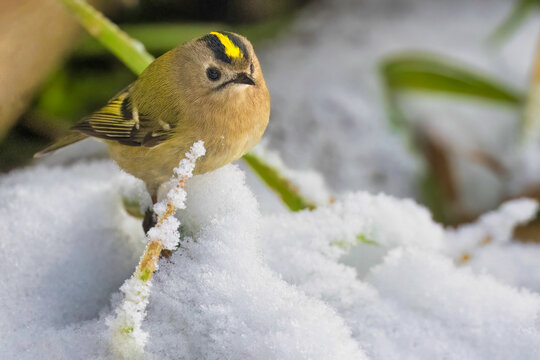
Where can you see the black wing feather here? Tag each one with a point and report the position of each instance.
(119, 121)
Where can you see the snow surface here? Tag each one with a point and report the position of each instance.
(250, 286)
(67, 245)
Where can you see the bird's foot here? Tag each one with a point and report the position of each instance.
(149, 220)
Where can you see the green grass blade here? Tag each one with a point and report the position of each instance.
(284, 188)
(521, 10)
(431, 73)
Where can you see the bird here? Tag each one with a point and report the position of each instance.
(210, 88)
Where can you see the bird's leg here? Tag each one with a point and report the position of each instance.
(149, 216)
(150, 220)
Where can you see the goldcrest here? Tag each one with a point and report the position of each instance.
(211, 89)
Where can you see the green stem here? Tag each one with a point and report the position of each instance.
(129, 51)
(286, 191)
(133, 54)
(520, 12)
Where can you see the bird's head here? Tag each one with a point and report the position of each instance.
(221, 65)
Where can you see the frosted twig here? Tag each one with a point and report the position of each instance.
(128, 339)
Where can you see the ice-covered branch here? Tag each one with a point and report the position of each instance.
(128, 339)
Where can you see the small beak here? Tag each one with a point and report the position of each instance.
(243, 78)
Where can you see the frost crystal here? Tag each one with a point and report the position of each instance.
(127, 337)
(166, 229)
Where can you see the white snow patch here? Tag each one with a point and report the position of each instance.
(216, 298)
(248, 286)
(496, 226)
(67, 244)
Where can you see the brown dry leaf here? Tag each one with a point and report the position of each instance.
(488, 161)
(435, 151)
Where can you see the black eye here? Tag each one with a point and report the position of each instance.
(213, 74)
(251, 68)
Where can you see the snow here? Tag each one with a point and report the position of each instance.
(218, 298)
(67, 244)
(496, 226)
(127, 339)
(251, 286)
(459, 315)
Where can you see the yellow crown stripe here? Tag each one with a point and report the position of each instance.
(231, 50)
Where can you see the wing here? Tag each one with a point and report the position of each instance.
(121, 121)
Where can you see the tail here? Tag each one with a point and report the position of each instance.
(69, 139)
